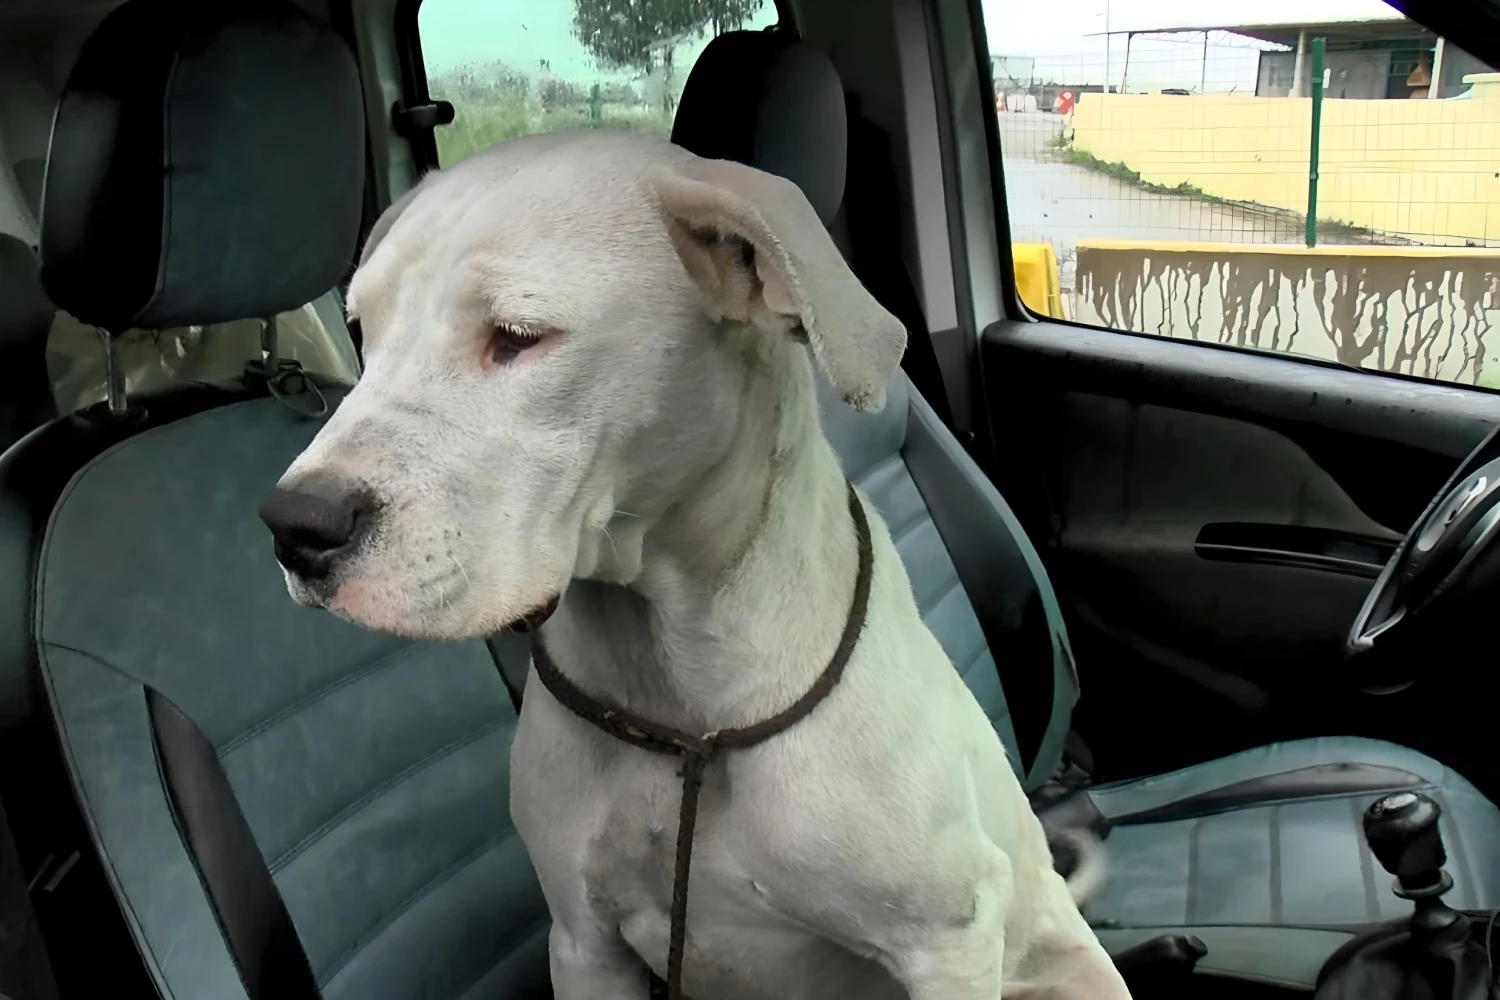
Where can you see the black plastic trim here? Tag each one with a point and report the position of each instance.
(1010, 296)
(1294, 545)
(413, 84)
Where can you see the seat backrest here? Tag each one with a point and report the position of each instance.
(246, 765)
(763, 98)
(978, 580)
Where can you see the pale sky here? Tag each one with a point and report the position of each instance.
(1064, 35)
(520, 33)
(1028, 28)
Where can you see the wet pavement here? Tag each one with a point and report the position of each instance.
(1053, 201)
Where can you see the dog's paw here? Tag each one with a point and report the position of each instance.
(1078, 855)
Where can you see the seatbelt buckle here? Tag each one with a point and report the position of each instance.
(285, 380)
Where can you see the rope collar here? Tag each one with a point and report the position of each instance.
(697, 751)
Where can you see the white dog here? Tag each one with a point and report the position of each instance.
(590, 378)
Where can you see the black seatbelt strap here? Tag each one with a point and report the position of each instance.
(511, 652)
(251, 914)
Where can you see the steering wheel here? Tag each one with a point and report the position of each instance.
(1449, 558)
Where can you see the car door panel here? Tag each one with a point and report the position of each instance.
(1216, 514)
(1141, 483)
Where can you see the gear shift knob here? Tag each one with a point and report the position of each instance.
(1402, 831)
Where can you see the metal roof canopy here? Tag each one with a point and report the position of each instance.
(1286, 34)
(1276, 21)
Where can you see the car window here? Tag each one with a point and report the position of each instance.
(156, 360)
(1159, 177)
(514, 67)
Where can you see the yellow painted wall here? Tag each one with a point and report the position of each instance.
(1426, 169)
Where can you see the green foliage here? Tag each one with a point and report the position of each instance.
(624, 33)
(492, 102)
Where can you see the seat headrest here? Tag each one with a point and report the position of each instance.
(206, 165)
(763, 99)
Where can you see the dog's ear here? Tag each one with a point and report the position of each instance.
(756, 248)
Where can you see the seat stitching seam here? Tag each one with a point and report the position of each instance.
(364, 801)
(1123, 819)
(306, 701)
(910, 526)
(1236, 925)
(972, 662)
(950, 583)
(1277, 903)
(980, 650)
(1190, 907)
(431, 886)
(541, 925)
(1154, 780)
(1366, 868)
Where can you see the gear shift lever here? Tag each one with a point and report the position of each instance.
(1431, 954)
(1402, 831)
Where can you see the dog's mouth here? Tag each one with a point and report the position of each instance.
(536, 617)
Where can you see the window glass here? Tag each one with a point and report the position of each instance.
(1160, 177)
(513, 67)
(157, 360)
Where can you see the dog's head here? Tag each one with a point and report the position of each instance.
(555, 336)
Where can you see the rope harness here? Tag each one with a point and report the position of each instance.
(698, 751)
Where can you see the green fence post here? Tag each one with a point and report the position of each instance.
(1318, 46)
(596, 106)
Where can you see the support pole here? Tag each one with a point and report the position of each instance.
(1106, 46)
(1435, 90)
(1299, 67)
(1203, 70)
(1318, 47)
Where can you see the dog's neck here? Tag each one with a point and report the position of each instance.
(744, 583)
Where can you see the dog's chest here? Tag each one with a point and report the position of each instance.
(611, 833)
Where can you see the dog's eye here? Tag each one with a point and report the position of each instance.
(509, 341)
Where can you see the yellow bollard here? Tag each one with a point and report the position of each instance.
(1036, 278)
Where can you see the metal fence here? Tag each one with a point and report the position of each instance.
(1177, 164)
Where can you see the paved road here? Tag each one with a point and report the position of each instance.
(1057, 202)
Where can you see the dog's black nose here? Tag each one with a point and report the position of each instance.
(314, 523)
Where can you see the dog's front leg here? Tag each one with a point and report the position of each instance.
(961, 960)
(590, 966)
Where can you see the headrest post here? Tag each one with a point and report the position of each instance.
(114, 374)
(268, 355)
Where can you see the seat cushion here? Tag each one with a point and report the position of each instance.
(371, 771)
(1262, 854)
